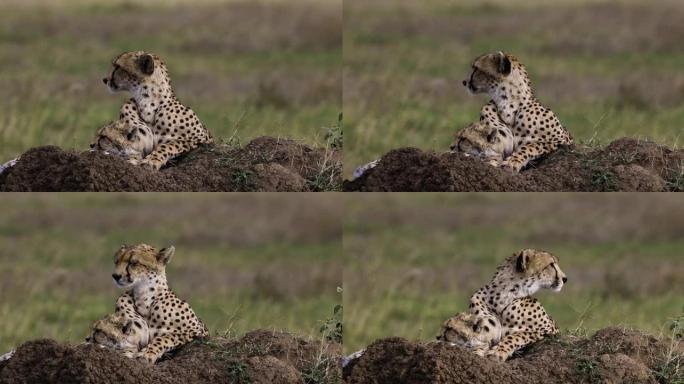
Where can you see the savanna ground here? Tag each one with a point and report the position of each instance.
(607, 68)
(242, 261)
(247, 68)
(413, 260)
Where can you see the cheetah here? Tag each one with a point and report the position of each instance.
(176, 126)
(120, 332)
(483, 141)
(125, 139)
(141, 271)
(471, 332)
(463, 329)
(536, 129)
(478, 139)
(506, 300)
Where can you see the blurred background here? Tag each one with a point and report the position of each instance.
(247, 68)
(607, 68)
(413, 260)
(243, 261)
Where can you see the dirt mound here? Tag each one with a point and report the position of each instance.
(624, 165)
(264, 164)
(258, 357)
(612, 355)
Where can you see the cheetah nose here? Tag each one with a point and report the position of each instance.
(565, 280)
(104, 80)
(92, 145)
(116, 276)
(465, 83)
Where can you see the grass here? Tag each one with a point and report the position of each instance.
(243, 261)
(247, 69)
(412, 260)
(606, 68)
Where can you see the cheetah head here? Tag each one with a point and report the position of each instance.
(482, 141)
(132, 70)
(493, 72)
(118, 332)
(123, 139)
(470, 331)
(140, 264)
(538, 270)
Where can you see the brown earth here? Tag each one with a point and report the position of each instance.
(260, 356)
(264, 164)
(612, 355)
(623, 165)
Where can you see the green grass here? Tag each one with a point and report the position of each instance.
(242, 261)
(244, 72)
(404, 62)
(411, 261)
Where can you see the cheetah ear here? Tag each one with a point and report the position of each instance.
(504, 66)
(146, 64)
(127, 327)
(491, 136)
(165, 254)
(131, 134)
(521, 262)
(477, 326)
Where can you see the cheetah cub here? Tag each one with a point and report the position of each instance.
(175, 126)
(141, 271)
(120, 332)
(471, 332)
(485, 142)
(125, 139)
(536, 130)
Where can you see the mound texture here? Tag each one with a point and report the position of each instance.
(612, 355)
(258, 357)
(624, 165)
(265, 164)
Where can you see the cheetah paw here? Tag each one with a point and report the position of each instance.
(144, 358)
(148, 164)
(513, 167)
(496, 355)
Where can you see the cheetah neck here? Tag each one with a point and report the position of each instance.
(153, 95)
(505, 287)
(146, 292)
(512, 95)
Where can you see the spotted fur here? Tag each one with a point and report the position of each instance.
(175, 126)
(124, 330)
(481, 140)
(506, 300)
(141, 271)
(130, 139)
(536, 130)
(471, 331)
